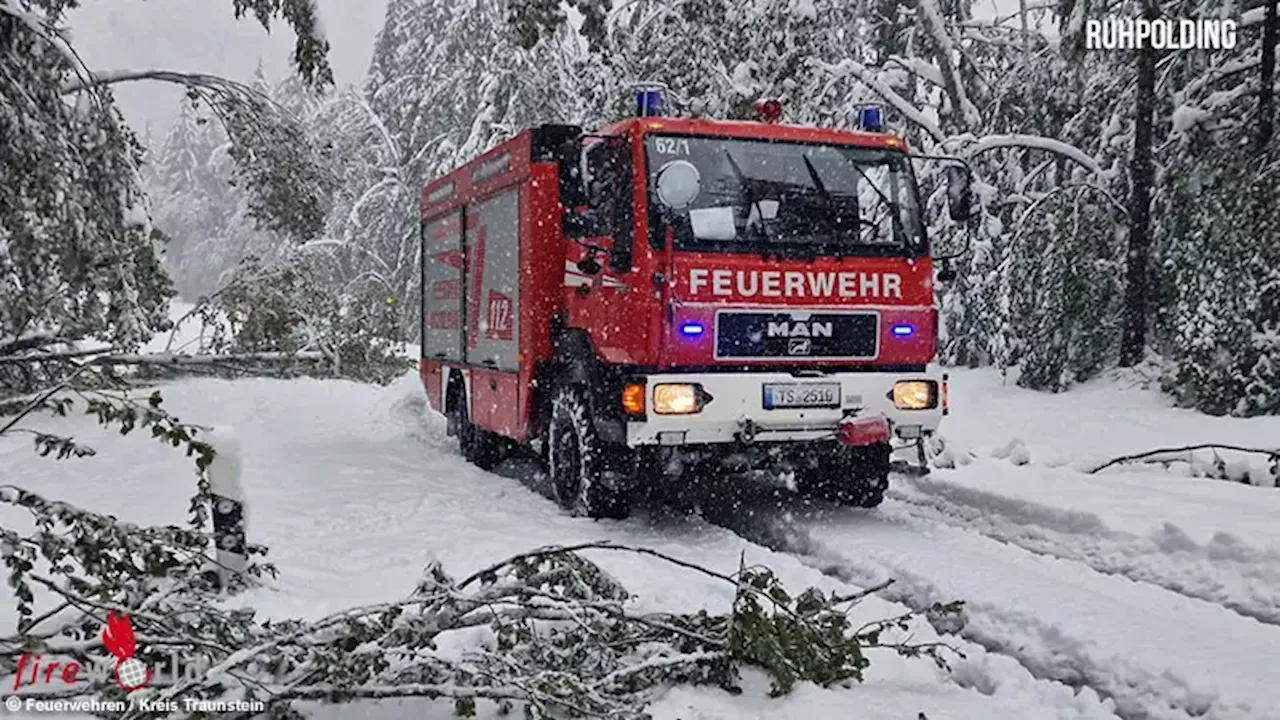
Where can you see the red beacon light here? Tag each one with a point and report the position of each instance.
(769, 111)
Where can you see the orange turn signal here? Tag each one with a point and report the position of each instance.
(633, 398)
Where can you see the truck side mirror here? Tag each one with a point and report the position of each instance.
(959, 192)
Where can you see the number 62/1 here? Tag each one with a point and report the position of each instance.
(671, 146)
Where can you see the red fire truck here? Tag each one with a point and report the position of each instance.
(670, 297)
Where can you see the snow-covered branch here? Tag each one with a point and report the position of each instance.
(112, 77)
(50, 34)
(1182, 453)
(1045, 6)
(919, 67)
(867, 77)
(30, 341)
(560, 633)
(947, 56)
(1036, 142)
(102, 357)
(1254, 16)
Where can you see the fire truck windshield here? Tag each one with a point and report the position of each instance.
(768, 196)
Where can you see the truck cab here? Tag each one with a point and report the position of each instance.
(732, 295)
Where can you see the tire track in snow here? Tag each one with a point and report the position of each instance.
(905, 590)
(1157, 655)
(1226, 572)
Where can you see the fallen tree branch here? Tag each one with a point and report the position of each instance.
(10, 346)
(564, 639)
(178, 359)
(50, 356)
(433, 691)
(39, 401)
(1273, 453)
(167, 359)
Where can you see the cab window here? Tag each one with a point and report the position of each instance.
(609, 178)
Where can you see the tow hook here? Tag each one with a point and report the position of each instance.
(747, 430)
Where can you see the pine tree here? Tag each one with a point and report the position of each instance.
(192, 198)
(1221, 284)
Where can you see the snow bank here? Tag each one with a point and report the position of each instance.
(1141, 503)
(1088, 425)
(1203, 538)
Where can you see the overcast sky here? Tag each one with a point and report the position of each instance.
(202, 36)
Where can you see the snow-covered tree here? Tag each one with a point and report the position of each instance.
(1221, 280)
(77, 250)
(1049, 129)
(191, 196)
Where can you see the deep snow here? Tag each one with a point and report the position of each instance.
(354, 488)
(1091, 424)
(1136, 583)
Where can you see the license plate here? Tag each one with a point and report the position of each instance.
(801, 395)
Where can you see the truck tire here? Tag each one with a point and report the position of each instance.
(478, 446)
(857, 477)
(578, 460)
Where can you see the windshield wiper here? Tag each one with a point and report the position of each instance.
(836, 247)
(817, 180)
(899, 233)
(750, 196)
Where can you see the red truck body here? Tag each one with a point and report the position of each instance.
(511, 310)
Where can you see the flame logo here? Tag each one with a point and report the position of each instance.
(118, 638)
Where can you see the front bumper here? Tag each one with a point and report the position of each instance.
(736, 412)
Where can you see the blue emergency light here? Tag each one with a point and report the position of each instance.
(903, 330)
(870, 119)
(692, 329)
(648, 102)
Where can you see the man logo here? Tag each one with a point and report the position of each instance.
(799, 329)
(799, 346)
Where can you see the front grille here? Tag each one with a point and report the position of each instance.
(798, 335)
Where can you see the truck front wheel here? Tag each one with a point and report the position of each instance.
(850, 476)
(584, 469)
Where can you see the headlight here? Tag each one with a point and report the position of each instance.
(678, 399)
(915, 395)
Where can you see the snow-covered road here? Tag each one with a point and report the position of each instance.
(1159, 654)
(354, 488)
(1237, 569)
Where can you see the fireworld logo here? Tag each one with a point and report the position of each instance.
(128, 671)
